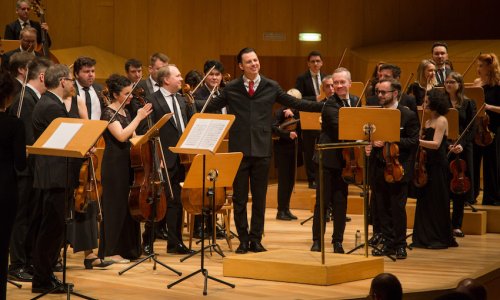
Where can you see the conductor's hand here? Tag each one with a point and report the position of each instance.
(143, 112)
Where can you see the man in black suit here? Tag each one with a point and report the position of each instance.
(27, 44)
(164, 101)
(87, 88)
(309, 85)
(20, 244)
(13, 30)
(151, 84)
(391, 197)
(439, 52)
(19, 67)
(250, 98)
(335, 188)
(392, 72)
(54, 176)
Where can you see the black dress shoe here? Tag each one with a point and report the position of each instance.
(256, 247)
(20, 275)
(337, 248)
(401, 253)
(384, 251)
(58, 267)
(282, 215)
(316, 247)
(242, 248)
(348, 219)
(161, 233)
(89, 263)
(146, 249)
(179, 249)
(458, 233)
(375, 239)
(44, 288)
(289, 213)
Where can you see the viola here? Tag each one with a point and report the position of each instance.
(393, 171)
(483, 136)
(89, 188)
(352, 173)
(460, 183)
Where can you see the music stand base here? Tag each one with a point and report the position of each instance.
(155, 260)
(362, 245)
(17, 285)
(206, 276)
(216, 248)
(68, 288)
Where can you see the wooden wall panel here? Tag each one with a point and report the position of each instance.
(96, 23)
(64, 23)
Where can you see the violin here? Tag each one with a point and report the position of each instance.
(352, 173)
(147, 197)
(289, 124)
(393, 171)
(460, 183)
(89, 188)
(483, 136)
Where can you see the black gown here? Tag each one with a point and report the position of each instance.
(432, 228)
(120, 234)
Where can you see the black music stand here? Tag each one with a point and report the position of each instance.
(80, 142)
(152, 135)
(203, 135)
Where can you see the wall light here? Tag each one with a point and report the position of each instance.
(310, 37)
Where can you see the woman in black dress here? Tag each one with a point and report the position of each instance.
(489, 78)
(432, 227)
(120, 234)
(454, 86)
(426, 80)
(12, 157)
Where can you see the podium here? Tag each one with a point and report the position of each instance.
(67, 137)
(203, 136)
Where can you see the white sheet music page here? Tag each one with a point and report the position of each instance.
(62, 135)
(205, 133)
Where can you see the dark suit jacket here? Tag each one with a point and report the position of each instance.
(13, 31)
(406, 100)
(447, 71)
(251, 130)
(29, 101)
(50, 171)
(305, 85)
(7, 55)
(146, 85)
(168, 133)
(408, 144)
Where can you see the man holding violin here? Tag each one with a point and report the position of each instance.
(391, 192)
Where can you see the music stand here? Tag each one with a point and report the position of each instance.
(67, 137)
(153, 135)
(203, 135)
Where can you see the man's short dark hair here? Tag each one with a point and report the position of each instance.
(395, 85)
(158, 56)
(314, 53)
(54, 74)
(82, 61)
(244, 51)
(210, 63)
(132, 63)
(19, 60)
(396, 71)
(439, 44)
(38, 65)
(386, 286)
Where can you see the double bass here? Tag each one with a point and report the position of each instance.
(36, 5)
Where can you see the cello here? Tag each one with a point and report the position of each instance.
(44, 46)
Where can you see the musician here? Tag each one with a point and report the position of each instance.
(308, 85)
(425, 81)
(50, 176)
(250, 98)
(489, 78)
(12, 159)
(86, 87)
(156, 62)
(335, 188)
(18, 68)
(391, 197)
(370, 89)
(286, 149)
(13, 29)
(20, 268)
(166, 100)
(27, 43)
(390, 72)
(120, 233)
(213, 80)
(439, 52)
(454, 86)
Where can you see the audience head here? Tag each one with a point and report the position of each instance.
(386, 286)
(472, 288)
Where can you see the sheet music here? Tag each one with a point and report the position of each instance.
(205, 133)
(62, 135)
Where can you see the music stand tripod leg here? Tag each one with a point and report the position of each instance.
(17, 285)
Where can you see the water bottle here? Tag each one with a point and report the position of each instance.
(357, 238)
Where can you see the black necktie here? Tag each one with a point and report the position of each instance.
(176, 115)
(316, 84)
(23, 25)
(88, 101)
(345, 102)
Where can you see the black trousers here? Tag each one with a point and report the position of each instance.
(285, 159)
(491, 170)
(255, 170)
(391, 212)
(48, 241)
(309, 138)
(335, 191)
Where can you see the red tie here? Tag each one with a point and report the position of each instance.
(250, 88)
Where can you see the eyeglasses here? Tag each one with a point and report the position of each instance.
(383, 93)
(450, 82)
(69, 79)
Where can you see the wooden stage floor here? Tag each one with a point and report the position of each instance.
(423, 270)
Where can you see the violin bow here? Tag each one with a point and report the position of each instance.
(470, 65)
(23, 91)
(123, 103)
(468, 127)
(342, 58)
